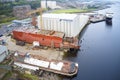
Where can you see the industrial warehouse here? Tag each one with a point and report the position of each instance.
(70, 24)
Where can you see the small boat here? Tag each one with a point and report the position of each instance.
(36, 62)
(109, 17)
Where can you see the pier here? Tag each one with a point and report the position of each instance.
(88, 18)
(97, 18)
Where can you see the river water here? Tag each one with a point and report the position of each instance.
(99, 57)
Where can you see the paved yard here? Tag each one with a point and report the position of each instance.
(49, 53)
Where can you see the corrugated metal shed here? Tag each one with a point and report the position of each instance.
(3, 52)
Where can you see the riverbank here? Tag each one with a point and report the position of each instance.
(98, 58)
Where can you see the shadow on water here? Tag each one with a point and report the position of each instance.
(69, 56)
(109, 24)
(67, 77)
(83, 31)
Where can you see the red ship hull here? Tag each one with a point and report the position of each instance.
(46, 38)
(43, 39)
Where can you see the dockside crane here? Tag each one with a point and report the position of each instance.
(40, 10)
(33, 17)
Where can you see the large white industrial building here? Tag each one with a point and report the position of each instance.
(70, 24)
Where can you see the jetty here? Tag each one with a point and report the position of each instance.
(97, 18)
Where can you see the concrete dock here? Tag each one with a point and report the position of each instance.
(97, 18)
(49, 53)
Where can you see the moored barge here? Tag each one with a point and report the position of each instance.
(29, 61)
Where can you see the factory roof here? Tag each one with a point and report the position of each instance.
(28, 20)
(60, 16)
(2, 49)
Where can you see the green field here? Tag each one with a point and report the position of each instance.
(72, 10)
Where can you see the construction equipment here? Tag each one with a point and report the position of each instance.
(34, 19)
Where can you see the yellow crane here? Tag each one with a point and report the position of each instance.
(35, 11)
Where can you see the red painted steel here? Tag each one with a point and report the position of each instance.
(44, 40)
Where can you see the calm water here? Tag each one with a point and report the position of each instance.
(99, 58)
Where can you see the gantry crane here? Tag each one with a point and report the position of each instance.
(35, 11)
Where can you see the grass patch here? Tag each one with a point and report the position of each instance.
(72, 10)
(28, 77)
(7, 75)
(18, 76)
(7, 19)
(31, 77)
(7, 23)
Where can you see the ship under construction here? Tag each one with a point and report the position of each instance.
(47, 38)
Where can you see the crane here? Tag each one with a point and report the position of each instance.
(35, 11)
